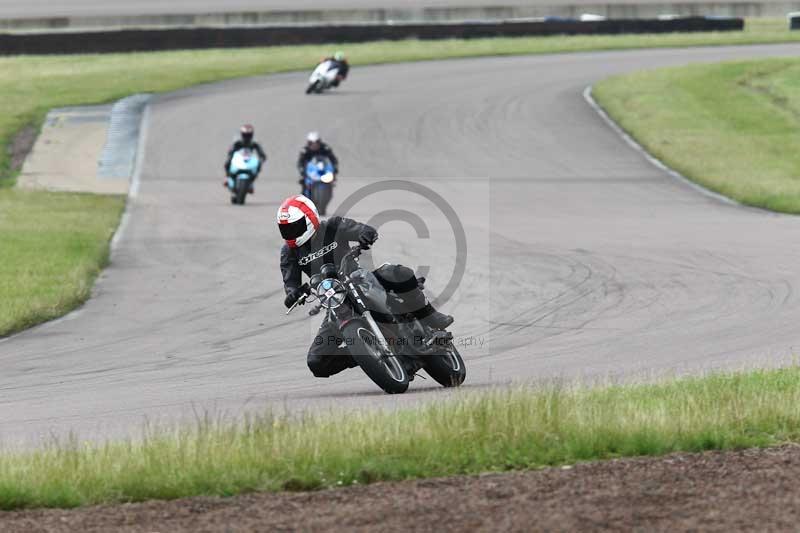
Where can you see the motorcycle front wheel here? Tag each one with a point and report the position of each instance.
(382, 367)
(242, 186)
(321, 196)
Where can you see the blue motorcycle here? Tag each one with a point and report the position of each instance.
(245, 166)
(318, 183)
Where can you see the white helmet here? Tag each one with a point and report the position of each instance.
(313, 137)
(298, 220)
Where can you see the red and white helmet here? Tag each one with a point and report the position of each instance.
(298, 220)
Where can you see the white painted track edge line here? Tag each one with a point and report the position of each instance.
(630, 141)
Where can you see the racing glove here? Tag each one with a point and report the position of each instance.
(295, 295)
(367, 238)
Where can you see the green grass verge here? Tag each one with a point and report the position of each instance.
(731, 127)
(52, 246)
(38, 285)
(472, 433)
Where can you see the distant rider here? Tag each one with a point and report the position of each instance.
(339, 61)
(314, 147)
(310, 243)
(246, 141)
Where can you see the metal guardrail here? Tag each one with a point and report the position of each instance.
(131, 40)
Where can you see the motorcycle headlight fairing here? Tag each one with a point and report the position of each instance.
(331, 293)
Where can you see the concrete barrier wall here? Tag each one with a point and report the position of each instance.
(67, 42)
(537, 9)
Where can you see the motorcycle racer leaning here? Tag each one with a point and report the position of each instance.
(314, 147)
(246, 133)
(310, 243)
(340, 61)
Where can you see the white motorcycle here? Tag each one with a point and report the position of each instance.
(323, 77)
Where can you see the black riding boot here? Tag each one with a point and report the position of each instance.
(433, 318)
(424, 312)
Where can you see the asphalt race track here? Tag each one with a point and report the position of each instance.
(583, 259)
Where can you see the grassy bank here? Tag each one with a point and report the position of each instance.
(731, 127)
(474, 432)
(40, 285)
(52, 246)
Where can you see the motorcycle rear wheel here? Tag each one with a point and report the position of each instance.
(385, 369)
(447, 368)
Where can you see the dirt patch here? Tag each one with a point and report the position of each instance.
(21, 145)
(715, 491)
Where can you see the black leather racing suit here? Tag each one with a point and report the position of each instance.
(329, 244)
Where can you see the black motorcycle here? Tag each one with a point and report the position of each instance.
(389, 347)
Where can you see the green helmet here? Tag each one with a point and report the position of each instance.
(339, 56)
